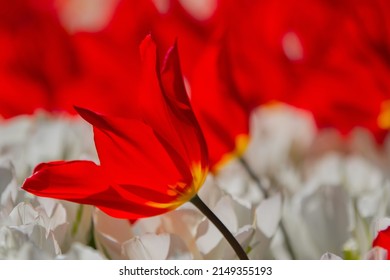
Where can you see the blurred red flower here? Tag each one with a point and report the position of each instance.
(109, 61)
(223, 118)
(329, 57)
(150, 163)
(36, 56)
(44, 67)
(383, 240)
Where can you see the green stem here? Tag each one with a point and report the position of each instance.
(253, 177)
(266, 195)
(221, 227)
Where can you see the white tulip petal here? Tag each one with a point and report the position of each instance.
(119, 229)
(210, 192)
(151, 225)
(224, 210)
(224, 251)
(24, 214)
(178, 249)
(208, 237)
(110, 233)
(277, 133)
(381, 224)
(11, 239)
(147, 247)
(15, 131)
(45, 241)
(326, 214)
(79, 218)
(235, 180)
(268, 215)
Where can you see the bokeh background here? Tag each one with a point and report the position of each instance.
(293, 99)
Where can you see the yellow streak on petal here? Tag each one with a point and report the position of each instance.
(184, 192)
(383, 119)
(241, 145)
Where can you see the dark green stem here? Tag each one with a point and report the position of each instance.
(266, 195)
(221, 227)
(254, 177)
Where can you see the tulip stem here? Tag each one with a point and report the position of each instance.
(266, 195)
(221, 227)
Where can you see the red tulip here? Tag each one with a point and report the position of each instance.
(150, 163)
(383, 240)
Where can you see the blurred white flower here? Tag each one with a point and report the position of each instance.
(279, 136)
(201, 10)
(152, 246)
(373, 253)
(85, 15)
(26, 141)
(317, 220)
(333, 188)
(44, 220)
(235, 180)
(40, 227)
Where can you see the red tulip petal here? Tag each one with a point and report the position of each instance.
(84, 182)
(131, 151)
(224, 120)
(383, 240)
(189, 135)
(76, 180)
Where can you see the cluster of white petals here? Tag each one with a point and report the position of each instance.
(33, 227)
(335, 188)
(296, 193)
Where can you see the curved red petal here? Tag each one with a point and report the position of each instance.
(223, 119)
(190, 135)
(84, 182)
(123, 205)
(132, 152)
(73, 180)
